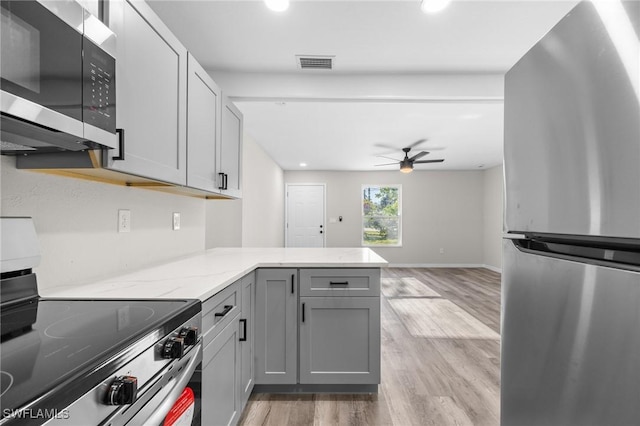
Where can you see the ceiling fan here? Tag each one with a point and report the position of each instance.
(406, 164)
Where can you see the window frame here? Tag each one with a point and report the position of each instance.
(363, 216)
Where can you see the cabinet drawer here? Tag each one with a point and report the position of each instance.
(213, 324)
(340, 282)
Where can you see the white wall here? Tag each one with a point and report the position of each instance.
(224, 223)
(493, 217)
(262, 198)
(258, 219)
(440, 210)
(76, 221)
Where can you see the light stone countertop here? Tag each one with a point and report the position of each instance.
(200, 276)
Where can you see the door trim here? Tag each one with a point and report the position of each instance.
(286, 209)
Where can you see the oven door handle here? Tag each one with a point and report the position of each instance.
(173, 391)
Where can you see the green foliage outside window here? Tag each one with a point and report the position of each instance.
(381, 215)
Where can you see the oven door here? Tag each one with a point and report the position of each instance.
(166, 403)
(41, 63)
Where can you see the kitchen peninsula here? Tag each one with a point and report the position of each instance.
(273, 319)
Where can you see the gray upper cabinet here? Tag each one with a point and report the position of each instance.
(247, 320)
(203, 119)
(151, 95)
(230, 151)
(339, 340)
(276, 331)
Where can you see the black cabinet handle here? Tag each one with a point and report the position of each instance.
(120, 133)
(338, 282)
(244, 330)
(221, 180)
(293, 276)
(226, 310)
(226, 181)
(303, 312)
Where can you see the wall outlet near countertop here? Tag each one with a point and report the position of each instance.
(441, 250)
(124, 220)
(176, 221)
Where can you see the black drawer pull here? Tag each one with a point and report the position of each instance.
(303, 312)
(226, 310)
(293, 276)
(244, 332)
(338, 282)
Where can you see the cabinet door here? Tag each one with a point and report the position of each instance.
(276, 331)
(247, 366)
(339, 340)
(221, 378)
(203, 116)
(231, 150)
(151, 92)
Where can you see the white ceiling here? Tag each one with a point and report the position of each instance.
(367, 38)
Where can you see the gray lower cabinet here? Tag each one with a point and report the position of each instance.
(227, 359)
(324, 331)
(220, 382)
(339, 340)
(276, 328)
(247, 365)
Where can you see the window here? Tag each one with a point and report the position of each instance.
(381, 213)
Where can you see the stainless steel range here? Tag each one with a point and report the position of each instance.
(91, 362)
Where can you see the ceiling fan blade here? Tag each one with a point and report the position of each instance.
(427, 161)
(383, 145)
(388, 158)
(418, 142)
(418, 155)
(387, 164)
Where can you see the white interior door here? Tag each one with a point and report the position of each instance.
(305, 215)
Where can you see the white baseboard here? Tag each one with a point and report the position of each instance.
(444, 265)
(493, 268)
(435, 265)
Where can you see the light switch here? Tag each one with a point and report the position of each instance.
(176, 221)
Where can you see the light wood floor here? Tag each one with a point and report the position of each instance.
(440, 358)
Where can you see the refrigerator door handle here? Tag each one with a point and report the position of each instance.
(514, 236)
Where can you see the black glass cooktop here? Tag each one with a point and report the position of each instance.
(51, 343)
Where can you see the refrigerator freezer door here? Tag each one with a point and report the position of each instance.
(572, 127)
(570, 342)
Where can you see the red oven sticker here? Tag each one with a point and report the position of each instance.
(181, 414)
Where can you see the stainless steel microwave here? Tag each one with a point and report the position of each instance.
(57, 69)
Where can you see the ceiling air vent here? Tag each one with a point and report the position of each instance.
(314, 62)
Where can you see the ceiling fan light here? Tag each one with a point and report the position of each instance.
(406, 168)
(434, 6)
(277, 5)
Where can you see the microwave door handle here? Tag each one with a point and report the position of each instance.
(120, 156)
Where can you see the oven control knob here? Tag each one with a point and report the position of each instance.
(122, 391)
(173, 348)
(189, 334)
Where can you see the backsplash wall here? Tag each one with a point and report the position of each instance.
(76, 222)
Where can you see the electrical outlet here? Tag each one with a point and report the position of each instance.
(176, 221)
(441, 250)
(124, 220)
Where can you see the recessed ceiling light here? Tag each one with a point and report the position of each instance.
(303, 164)
(434, 6)
(277, 5)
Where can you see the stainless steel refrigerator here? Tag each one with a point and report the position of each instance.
(571, 265)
